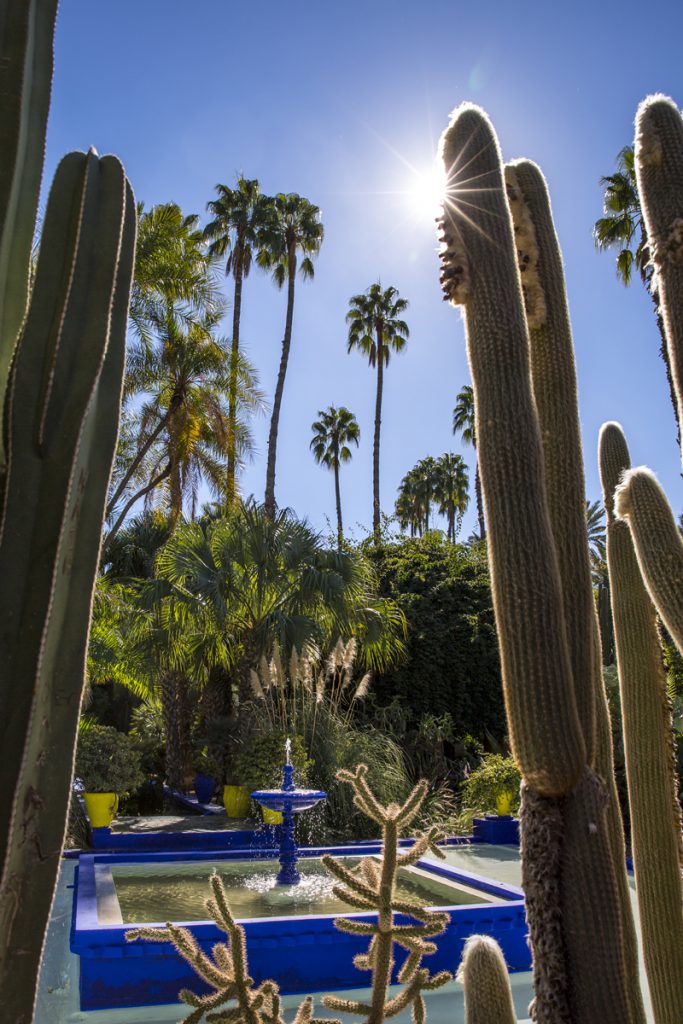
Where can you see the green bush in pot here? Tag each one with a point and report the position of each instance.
(108, 765)
(493, 786)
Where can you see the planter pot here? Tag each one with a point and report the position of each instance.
(101, 808)
(204, 787)
(236, 801)
(270, 817)
(504, 804)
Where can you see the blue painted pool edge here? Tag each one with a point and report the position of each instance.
(304, 954)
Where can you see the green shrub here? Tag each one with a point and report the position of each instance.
(259, 763)
(107, 761)
(494, 777)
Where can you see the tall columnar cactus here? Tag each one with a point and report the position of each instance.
(553, 378)
(26, 29)
(648, 748)
(371, 887)
(60, 431)
(659, 172)
(482, 971)
(234, 998)
(574, 906)
(641, 501)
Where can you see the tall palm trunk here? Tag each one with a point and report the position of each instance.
(232, 389)
(451, 522)
(378, 427)
(480, 503)
(337, 494)
(175, 706)
(277, 401)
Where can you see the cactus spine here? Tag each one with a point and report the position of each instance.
(573, 897)
(60, 432)
(488, 997)
(659, 173)
(652, 790)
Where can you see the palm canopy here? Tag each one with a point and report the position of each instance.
(451, 490)
(463, 415)
(292, 227)
(270, 579)
(333, 432)
(622, 225)
(597, 541)
(173, 270)
(377, 310)
(239, 218)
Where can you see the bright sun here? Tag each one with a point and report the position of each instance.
(427, 192)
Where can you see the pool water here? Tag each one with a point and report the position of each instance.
(177, 892)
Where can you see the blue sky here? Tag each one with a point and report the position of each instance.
(344, 104)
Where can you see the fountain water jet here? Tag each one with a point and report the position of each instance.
(290, 801)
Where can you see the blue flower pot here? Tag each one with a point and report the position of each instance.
(204, 787)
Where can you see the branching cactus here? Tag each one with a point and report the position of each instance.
(60, 427)
(234, 998)
(659, 172)
(648, 746)
(574, 899)
(372, 887)
(484, 976)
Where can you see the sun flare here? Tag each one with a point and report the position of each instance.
(427, 192)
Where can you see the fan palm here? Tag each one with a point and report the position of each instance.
(622, 227)
(597, 543)
(235, 233)
(376, 330)
(463, 424)
(409, 508)
(293, 229)
(269, 579)
(451, 490)
(333, 432)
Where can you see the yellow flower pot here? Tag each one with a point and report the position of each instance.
(271, 817)
(504, 803)
(236, 801)
(101, 808)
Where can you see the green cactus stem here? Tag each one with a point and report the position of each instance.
(62, 413)
(26, 57)
(578, 884)
(484, 976)
(371, 887)
(659, 173)
(226, 971)
(553, 376)
(648, 748)
(641, 501)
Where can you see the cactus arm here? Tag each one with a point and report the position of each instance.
(26, 59)
(54, 505)
(484, 976)
(640, 500)
(648, 748)
(553, 375)
(524, 572)
(659, 173)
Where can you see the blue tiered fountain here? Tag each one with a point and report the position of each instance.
(290, 801)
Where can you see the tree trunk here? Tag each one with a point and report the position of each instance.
(451, 522)
(480, 503)
(277, 401)
(337, 494)
(154, 482)
(230, 490)
(378, 427)
(139, 457)
(246, 663)
(175, 705)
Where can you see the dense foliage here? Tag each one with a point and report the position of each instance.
(452, 654)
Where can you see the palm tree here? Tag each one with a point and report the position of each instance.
(409, 508)
(293, 227)
(376, 330)
(266, 579)
(451, 490)
(332, 434)
(239, 216)
(597, 543)
(463, 424)
(622, 227)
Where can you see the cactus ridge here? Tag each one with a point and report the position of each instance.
(659, 173)
(648, 744)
